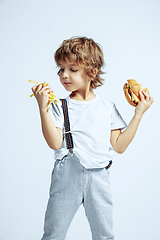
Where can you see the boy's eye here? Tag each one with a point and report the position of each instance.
(61, 70)
(73, 70)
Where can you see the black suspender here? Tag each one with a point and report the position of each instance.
(68, 135)
(109, 164)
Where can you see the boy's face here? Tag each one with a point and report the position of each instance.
(73, 77)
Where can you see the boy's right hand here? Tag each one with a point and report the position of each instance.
(41, 94)
(145, 103)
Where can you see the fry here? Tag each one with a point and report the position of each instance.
(34, 82)
(52, 97)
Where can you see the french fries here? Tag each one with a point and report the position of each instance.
(52, 97)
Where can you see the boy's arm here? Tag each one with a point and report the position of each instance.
(121, 140)
(52, 135)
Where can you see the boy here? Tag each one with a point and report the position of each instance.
(82, 176)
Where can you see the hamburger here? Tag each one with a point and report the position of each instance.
(131, 90)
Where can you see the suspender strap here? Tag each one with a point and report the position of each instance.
(68, 135)
(109, 164)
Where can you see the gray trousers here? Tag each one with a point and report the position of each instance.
(71, 186)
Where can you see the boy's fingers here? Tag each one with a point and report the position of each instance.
(141, 95)
(46, 89)
(34, 88)
(145, 93)
(151, 99)
(39, 87)
(148, 97)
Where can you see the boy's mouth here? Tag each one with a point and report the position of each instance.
(67, 83)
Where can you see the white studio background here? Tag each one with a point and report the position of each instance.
(31, 31)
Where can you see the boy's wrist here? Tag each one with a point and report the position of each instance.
(138, 115)
(43, 110)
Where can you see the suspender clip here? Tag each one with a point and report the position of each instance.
(71, 152)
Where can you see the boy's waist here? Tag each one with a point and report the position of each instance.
(87, 159)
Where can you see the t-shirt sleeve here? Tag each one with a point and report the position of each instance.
(117, 121)
(57, 114)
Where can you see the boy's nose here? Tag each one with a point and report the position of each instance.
(65, 74)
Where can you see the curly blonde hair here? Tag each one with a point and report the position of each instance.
(86, 53)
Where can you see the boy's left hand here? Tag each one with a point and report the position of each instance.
(145, 103)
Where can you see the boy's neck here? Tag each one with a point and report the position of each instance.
(83, 96)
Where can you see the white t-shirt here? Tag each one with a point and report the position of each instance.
(91, 123)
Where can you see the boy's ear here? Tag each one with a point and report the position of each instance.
(94, 71)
